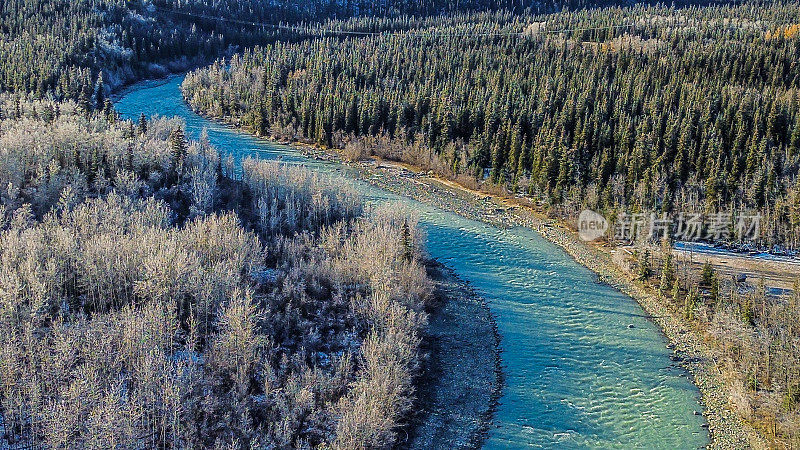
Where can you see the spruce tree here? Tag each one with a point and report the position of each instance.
(676, 290)
(667, 275)
(142, 127)
(405, 242)
(83, 103)
(177, 144)
(707, 274)
(690, 304)
(645, 272)
(99, 93)
(794, 140)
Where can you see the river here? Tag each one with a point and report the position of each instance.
(577, 376)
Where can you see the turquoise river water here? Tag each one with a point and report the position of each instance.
(576, 375)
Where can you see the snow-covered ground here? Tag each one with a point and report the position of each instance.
(708, 249)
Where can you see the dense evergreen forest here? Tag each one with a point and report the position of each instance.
(148, 300)
(642, 109)
(73, 49)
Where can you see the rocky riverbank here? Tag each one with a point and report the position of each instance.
(461, 381)
(690, 350)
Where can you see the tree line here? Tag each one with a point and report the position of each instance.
(636, 109)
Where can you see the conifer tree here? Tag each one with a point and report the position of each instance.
(794, 140)
(406, 243)
(690, 304)
(667, 274)
(645, 272)
(142, 126)
(676, 290)
(99, 93)
(177, 145)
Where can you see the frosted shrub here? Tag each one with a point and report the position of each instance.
(129, 319)
(290, 199)
(203, 161)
